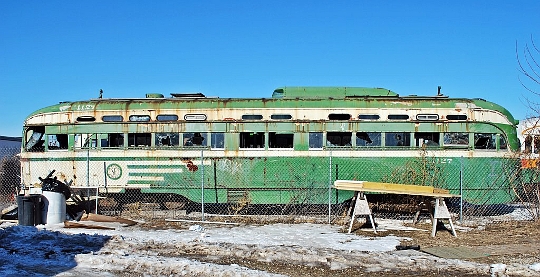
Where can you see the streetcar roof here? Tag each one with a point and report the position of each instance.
(288, 97)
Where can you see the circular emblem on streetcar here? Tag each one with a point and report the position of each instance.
(114, 171)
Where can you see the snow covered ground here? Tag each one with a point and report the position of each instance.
(126, 251)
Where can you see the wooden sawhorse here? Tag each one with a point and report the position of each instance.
(361, 207)
(436, 213)
(440, 211)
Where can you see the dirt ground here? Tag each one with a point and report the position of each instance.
(510, 242)
(504, 242)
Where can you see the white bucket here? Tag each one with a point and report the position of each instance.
(54, 207)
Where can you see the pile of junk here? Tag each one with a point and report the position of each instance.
(48, 204)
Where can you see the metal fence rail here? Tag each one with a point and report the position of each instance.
(299, 189)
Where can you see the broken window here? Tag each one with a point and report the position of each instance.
(139, 139)
(399, 139)
(252, 140)
(85, 140)
(113, 140)
(57, 142)
(315, 140)
(368, 139)
(428, 139)
(35, 141)
(484, 141)
(194, 139)
(456, 139)
(217, 140)
(338, 138)
(502, 142)
(277, 140)
(167, 139)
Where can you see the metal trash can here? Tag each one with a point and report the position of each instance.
(54, 207)
(55, 194)
(29, 209)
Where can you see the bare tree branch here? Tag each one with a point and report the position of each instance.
(530, 68)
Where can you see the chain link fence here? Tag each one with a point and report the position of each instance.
(9, 176)
(282, 189)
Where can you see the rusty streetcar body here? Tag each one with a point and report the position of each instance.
(284, 149)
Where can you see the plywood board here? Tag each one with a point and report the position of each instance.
(458, 252)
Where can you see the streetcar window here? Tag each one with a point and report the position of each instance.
(427, 139)
(456, 117)
(85, 140)
(252, 117)
(398, 117)
(139, 118)
(86, 118)
(398, 139)
(368, 139)
(195, 117)
(456, 139)
(112, 118)
(502, 142)
(281, 116)
(252, 140)
(338, 138)
(484, 141)
(368, 117)
(427, 117)
(194, 139)
(139, 139)
(113, 140)
(339, 116)
(167, 117)
(57, 142)
(315, 140)
(34, 139)
(276, 140)
(167, 139)
(217, 140)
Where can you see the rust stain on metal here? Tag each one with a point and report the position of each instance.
(190, 165)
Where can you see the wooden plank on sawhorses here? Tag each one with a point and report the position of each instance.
(361, 207)
(366, 186)
(441, 212)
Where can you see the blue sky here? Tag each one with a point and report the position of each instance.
(57, 51)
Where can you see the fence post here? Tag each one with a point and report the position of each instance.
(330, 187)
(202, 184)
(88, 173)
(461, 189)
